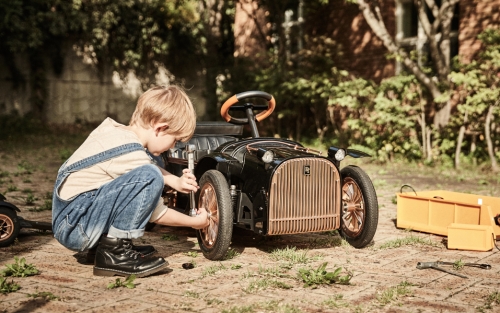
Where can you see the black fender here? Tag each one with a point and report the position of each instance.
(4, 203)
(219, 161)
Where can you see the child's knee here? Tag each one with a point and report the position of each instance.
(153, 173)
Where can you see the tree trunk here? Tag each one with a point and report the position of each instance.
(487, 135)
(429, 145)
(458, 148)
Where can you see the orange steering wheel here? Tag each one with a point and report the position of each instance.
(271, 104)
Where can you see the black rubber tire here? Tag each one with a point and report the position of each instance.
(9, 226)
(354, 178)
(214, 187)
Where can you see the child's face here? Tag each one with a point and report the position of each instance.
(161, 141)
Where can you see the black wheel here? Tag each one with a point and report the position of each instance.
(9, 226)
(359, 207)
(215, 239)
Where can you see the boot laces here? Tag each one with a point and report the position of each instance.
(129, 249)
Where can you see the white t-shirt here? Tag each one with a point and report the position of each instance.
(108, 135)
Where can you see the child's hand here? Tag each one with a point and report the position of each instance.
(202, 219)
(186, 183)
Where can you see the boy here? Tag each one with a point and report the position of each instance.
(109, 189)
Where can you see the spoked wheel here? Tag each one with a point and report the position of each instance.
(215, 239)
(9, 226)
(359, 207)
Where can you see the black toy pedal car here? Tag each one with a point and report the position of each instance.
(271, 186)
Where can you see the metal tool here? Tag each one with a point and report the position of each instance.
(435, 265)
(192, 202)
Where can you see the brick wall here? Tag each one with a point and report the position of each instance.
(475, 16)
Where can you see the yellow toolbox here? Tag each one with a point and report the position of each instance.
(434, 211)
(470, 237)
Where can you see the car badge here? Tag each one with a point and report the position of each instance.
(307, 170)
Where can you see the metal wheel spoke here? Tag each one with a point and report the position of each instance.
(354, 210)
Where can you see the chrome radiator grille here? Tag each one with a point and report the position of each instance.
(304, 197)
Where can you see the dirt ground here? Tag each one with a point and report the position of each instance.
(261, 274)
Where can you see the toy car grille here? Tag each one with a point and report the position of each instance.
(304, 197)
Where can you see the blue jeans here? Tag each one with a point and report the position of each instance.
(120, 208)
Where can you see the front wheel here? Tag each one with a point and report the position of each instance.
(9, 226)
(359, 207)
(214, 196)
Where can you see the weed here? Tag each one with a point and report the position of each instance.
(407, 241)
(313, 278)
(336, 302)
(65, 153)
(270, 306)
(213, 301)
(231, 254)
(6, 287)
(192, 254)
(4, 174)
(128, 282)
(290, 255)
(458, 265)
(20, 268)
(46, 206)
(30, 199)
(11, 187)
(274, 271)
(192, 294)
(394, 293)
(169, 237)
(493, 299)
(394, 200)
(235, 266)
(211, 270)
(25, 168)
(264, 283)
(44, 294)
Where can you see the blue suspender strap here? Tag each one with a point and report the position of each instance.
(102, 157)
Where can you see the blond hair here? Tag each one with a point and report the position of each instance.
(166, 104)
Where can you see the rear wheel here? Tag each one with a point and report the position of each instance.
(215, 239)
(9, 226)
(359, 207)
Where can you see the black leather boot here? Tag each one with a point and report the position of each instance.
(114, 256)
(144, 250)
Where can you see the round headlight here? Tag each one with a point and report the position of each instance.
(267, 157)
(340, 155)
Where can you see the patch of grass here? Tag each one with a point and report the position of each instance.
(394, 293)
(20, 268)
(128, 282)
(320, 276)
(4, 174)
(30, 199)
(335, 302)
(211, 270)
(48, 296)
(264, 283)
(7, 287)
(25, 167)
(490, 301)
(269, 306)
(211, 301)
(46, 206)
(191, 294)
(65, 153)
(458, 265)
(235, 266)
(290, 255)
(231, 254)
(169, 237)
(11, 187)
(409, 240)
(192, 254)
